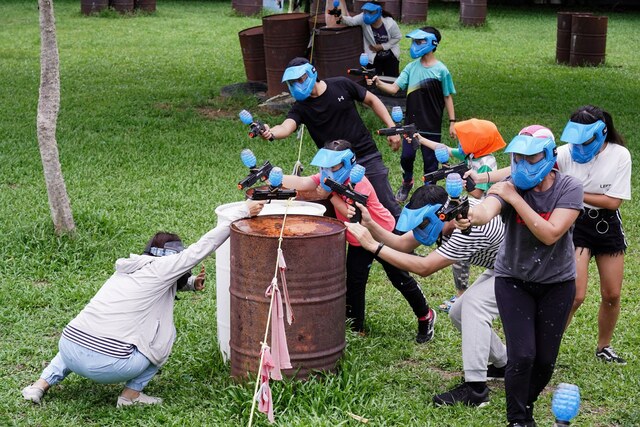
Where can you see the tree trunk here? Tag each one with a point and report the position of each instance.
(48, 107)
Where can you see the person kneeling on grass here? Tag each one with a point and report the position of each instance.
(484, 356)
(126, 332)
(336, 161)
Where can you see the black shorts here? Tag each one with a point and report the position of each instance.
(600, 231)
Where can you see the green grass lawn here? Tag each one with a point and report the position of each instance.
(147, 143)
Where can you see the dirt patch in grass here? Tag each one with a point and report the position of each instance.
(216, 113)
(445, 375)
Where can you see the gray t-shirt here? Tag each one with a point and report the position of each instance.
(522, 256)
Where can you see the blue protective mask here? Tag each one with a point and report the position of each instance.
(340, 176)
(326, 159)
(371, 13)
(424, 223)
(422, 44)
(526, 175)
(300, 90)
(586, 139)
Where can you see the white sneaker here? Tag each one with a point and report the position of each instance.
(143, 399)
(33, 393)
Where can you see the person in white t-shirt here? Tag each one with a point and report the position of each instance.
(596, 155)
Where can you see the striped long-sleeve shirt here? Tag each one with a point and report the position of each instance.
(480, 247)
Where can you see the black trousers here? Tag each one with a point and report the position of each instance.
(359, 262)
(533, 317)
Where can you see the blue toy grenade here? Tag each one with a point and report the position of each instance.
(565, 403)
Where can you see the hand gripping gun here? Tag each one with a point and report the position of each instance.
(407, 131)
(455, 204)
(461, 168)
(356, 175)
(256, 127)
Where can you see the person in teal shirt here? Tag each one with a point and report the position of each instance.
(429, 89)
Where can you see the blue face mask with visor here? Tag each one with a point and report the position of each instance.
(586, 139)
(422, 44)
(370, 13)
(327, 159)
(424, 223)
(527, 175)
(300, 90)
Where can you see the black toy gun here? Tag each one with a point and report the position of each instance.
(336, 11)
(407, 131)
(275, 190)
(445, 171)
(363, 70)
(255, 173)
(256, 127)
(455, 205)
(357, 172)
(366, 72)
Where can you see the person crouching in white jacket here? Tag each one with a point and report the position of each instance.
(126, 332)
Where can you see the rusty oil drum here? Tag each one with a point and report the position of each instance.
(286, 36)
(314, 249)
(87, 7)
(563, 36)
(588, 40)
(252, 46)
(414, 11)
(473, 12)
(336, 50)
(122, 6)
(145, 5)
(246, 7)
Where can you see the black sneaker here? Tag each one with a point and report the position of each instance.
(495, 373)
(463, 394)
(522, 424)
(425, 328)
(403, 192)
(609, 355)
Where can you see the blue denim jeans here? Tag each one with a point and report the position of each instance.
(136, 370)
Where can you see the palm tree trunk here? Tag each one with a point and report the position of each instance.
(48, 107)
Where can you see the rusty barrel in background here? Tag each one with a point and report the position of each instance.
(337, 49)
(286, 36)
(588, 40)
(122, 6)
(247, 7)
(414, 11)
(314, 249)
(146, 5)
(473, 12)
(87, 7)
(252, 45)
(563, 36)
(317, 21)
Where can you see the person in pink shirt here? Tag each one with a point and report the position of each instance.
(336, 161)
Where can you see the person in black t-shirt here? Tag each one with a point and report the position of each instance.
(327, 107)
